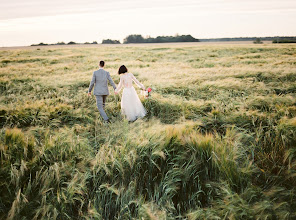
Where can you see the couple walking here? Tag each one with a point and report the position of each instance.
(131, 105)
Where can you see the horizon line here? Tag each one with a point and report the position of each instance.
(52, 44)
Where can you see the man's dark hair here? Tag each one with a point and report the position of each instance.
(122, 69)
(102, 63)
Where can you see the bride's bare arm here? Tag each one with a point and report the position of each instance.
(137, 82)
(117, 90)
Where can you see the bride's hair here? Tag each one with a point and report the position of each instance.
(122, 69)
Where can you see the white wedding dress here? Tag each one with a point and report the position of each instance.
(131, 105)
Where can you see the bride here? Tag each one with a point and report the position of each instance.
(131, 105)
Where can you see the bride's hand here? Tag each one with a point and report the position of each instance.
(116, 93)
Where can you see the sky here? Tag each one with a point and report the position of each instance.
(25, 22)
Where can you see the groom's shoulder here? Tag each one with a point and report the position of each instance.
(99, 71)
(106, 71)
(102, 70)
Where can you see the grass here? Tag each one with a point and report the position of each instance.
(218, 141)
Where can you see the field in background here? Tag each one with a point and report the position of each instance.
(218, 141)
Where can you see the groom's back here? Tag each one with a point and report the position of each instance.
(101, 83)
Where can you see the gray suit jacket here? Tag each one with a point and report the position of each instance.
(100, 81)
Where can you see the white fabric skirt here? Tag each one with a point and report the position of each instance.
(131, 105)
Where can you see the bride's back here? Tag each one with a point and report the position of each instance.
(127, 80)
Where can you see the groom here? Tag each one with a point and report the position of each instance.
(100, 81)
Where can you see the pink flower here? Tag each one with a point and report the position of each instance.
(149, 89)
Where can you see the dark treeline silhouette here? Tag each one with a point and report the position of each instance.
(94, 42)
(257, 41)
(109, 41)
(274, 39)
(63, 43)
(284, 40)
(40, 44)
(137, 38)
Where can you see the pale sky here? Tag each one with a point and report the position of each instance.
(24, 22)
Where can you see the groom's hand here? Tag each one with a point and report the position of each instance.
(116, 93)
(89, 94)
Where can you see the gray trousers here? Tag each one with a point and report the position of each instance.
(101, 99)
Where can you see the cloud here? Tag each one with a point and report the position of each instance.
(36, 8)
(51, 21)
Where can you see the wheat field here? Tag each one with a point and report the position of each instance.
(218, 142)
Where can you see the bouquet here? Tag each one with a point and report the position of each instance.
(147, 92)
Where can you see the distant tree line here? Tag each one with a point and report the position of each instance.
(284, 40)
(63, 43)
(136, 38)
(254, 39)
(40, 44)
(94, 42)
(109, 41)
(257, 41)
